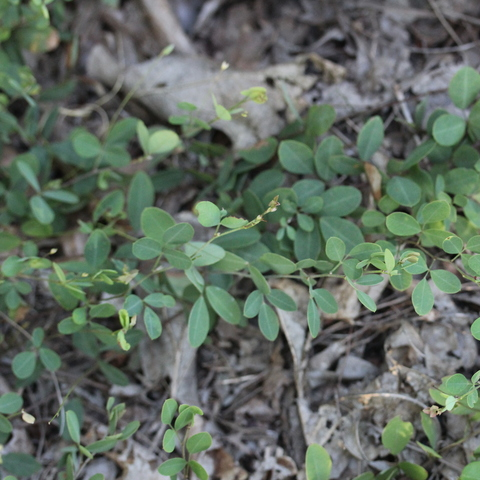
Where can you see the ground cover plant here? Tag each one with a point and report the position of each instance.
(295, 207)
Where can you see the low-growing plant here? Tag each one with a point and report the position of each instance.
(275, 210)
(177, 418)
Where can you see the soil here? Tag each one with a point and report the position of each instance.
(264, 402)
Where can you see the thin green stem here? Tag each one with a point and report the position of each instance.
(71, 389)
(16, 326)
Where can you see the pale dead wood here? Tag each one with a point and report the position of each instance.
(167, 28)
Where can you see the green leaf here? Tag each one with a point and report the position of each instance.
(152, 322)
(295, 157)
(366, 300)
(169, 438)
(396, 435)
(464, 87)
(329, 147)
(230, 263)
(195, 278)
(113, 374)
(325, 300)
(133, 305)
(10, 403)
(307, 245)
(178, 234)
(474, 122)
(461, 181)
(318, 463)
(140, 196)
(97, 248)
(254, 302)
(169, 409)
(155, 222)
(446, 281)
(103, 445)
(474, 263)
(116, 155)
(224, 304)
(259, 280)
(389, 260)
(41, 210)
(62, 196)
(413, 471)
(50, 359)
(73, 426)
(123, 131)
(23, 364)
(363, 251)
(365, 476)
(28, 174)
(344, 165)
(281, 300)
(130, 429)
(20, 464)
(177, 259)
(172, 467)
(457, 385)
(208, 214)
(146, 248)
(233, 222)
(198, 470)
(452, 244)
(111, 204)
(371, 279)
(260, 153)
(340, 201)
(335, 249)
(313, 204)
(86, 145)
(373, 218)
(199, 442)
(428, 450)
(162, 142)
(96, 476)
(404, 191)
(370, 138)
(401, 281)
(449, 129)
(12, 266)
(472, 398)
(8, 242)
(186, 417)
(435, 211)
(475, 329)
(422, 297)
(418, 154)
(278, 263)
(222, 113)
(5, 425)
(268, 322)
(240, 239)
(305, 222)
(319, 119)
(472, 211)
(313, 318)
(471, 471)
(198, 323)
(343, 229)
(402, 224)
(431, 427)
(203, 255)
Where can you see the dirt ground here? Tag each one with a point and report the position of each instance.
(265, 402)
